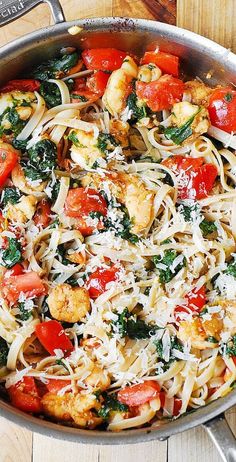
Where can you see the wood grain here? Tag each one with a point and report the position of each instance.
(63, 452)
(160, 10)
(15, 443)
(214, 19)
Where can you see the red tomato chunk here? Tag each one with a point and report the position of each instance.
(140, 393)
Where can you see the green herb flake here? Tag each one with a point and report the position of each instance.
(231, 347)
(179, 134)
(106, 141)
(4, 350)
(231, 269)
(138, 111)
(50, 69)
(110, 404)
(12, 254)
(24, 314)
(82, 98)
(60, 362)
(42, 160)
(129, 325)
(211, 339)
(10, 195)
(175, 345)
(73, 138)
(228, 97)
(207, 227)
(166, 275)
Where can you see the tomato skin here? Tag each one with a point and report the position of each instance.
(103, 59)
(8, 160)
(97, 82)
(55, 385)
(24, 395)
(169, 64)
(97, 281)
(203, 183)
(198, 177)
(14, 271)
(179, 162)
(195, 300)
(161, 94)
(29, 283)
(177, 403)
(42, 215)
(21, 85)
(222, 109)
(80, 202)
(53, 337)
(141, 393)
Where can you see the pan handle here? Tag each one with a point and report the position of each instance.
(13, 9)
(221, 434)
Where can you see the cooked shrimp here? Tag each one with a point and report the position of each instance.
(149, 72)
(116, 90)
(133, 193)
(24, 210)
(98, 379)
(84, 149)
(20, 181)
(199, 92)
(72, 408)
(8, 100)
(184, 111)
(120, 131)
(82, 409)
(69, 304)
(199, 330)
(57, 407)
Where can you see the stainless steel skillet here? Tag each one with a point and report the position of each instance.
(199, 56)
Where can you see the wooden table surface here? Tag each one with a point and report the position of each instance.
(214, 19)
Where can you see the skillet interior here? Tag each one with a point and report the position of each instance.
(199, 56)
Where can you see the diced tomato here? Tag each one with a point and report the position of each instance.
(196, 179)
(8, 160)
(168, 63)
(177, 406)
(24, 395)
(14, 271)
(42, 215)
(53, 337)
(81, 96)
(79, 84)
(195, 300)
(98, 280)
(97, 82)
(160, 94)
(139, 394)
(55, 385)
(103, 59)
(80, 202)
(178, 162)
(222, 109)
(21, 85)
(177, 403)
(28, 283)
